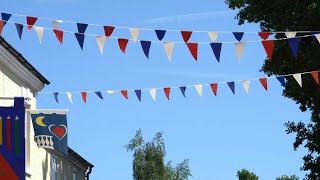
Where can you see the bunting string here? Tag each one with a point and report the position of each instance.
(198, 87)
(150, 29)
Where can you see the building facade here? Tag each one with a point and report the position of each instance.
(19, 78)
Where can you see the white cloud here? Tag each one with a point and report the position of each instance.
(191, 17)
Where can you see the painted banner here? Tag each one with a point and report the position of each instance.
(51, 131)
(12, 141)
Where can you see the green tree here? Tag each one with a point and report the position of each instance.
(292, 15)
(148, 160)
(246, 175)
(285, 177)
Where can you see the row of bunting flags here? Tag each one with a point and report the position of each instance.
(216, 47)
(198, 87)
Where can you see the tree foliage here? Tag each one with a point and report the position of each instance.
(246, 175)
(285, 177)
(148, 162)
(293, 15)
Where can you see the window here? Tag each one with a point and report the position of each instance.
(54, 168)
(74, 174)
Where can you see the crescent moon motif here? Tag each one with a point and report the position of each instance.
(39, 121)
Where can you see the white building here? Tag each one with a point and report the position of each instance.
(19, 78)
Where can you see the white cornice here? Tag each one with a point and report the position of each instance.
(13, 65)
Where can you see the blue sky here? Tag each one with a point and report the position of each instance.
(219, 135)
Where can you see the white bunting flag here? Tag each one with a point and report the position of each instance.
(246, 84)
(56, 24)
(111, 92)
(101, 40)
(69, 94)
(153, 92)
(291, 34)
(39, 31)
(318, 37)
(297, 77)
(168, 47)
(239, 50)
(213, 35)
(134, 33)
(199, 89)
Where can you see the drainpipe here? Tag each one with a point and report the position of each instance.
(89, 172)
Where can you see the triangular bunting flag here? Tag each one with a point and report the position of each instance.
(19, 28)
(138, 93)
(199, 89)
(281, 80)
(246, 85)
(160, 34)
(268, 47)
(216, 48)
(123, 44)
(231, 86)
(264, 35)
(297, 77)
(183, 90)
(98, 93)
(264, 83)
(153, 93)
(239, 50)
(146, 47)
(108, 30)
(5, 17)
(31, 21)
(82, 27)
(317, 37)
(84, 96)
(56, 24)
(214, 88)
(168, 47)
(186, 35)
(1, 26)
(213, 36)
(238, 35)
(125, 94)
(69, 94)
(294, 45)
(59, 35)
(290, 34)
(101, 40)
(167, 92)
(134, 33)
(39, 31)
(80, 38)
(193, 48)
(111, 92)
(56, 97)
(315, 76)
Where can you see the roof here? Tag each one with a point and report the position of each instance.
(72, 152)
(23, 61)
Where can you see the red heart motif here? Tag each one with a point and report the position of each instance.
(58, 131)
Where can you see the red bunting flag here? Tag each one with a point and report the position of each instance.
(167, 92)
(315, 76)
(268, 46)
(264, 83)
(214, 88)
(31, 21)
(108, 30)
(84, 96)
(1, 26)
(125, 93)
(264, 35)
(186, 35)
(193, 47)
(123, 44)
(59, 35)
